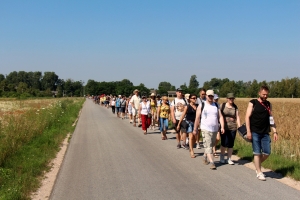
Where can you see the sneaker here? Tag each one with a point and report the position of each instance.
(262, 173)
(187, 140)
(205, 162)
(183, 146)
(198, 146)
(212, 166)
(261, 176)
(229, 161)
(186, 147)
(178, 146)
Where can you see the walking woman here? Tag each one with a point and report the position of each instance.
(190, 115)
(153, 105)
(113, 105)
(231, 122)
(145, 114)
(163, 113)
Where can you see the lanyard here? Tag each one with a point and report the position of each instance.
(268, 108)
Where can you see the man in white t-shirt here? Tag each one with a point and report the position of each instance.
(178, 106)
(135, 103)
(209, 115)
(202, 98)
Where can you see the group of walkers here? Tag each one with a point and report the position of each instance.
(191, 115)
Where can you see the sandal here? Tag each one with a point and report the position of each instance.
(193, 156)
(163, 138)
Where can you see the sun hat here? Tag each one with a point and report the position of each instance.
(136, 90)
(210, 92)
(187, 96)
(216, 96)
(152, 95)
(230, 95)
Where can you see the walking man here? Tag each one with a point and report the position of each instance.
(209, 115)
(202, 98)
(259, 119)
(135, 103)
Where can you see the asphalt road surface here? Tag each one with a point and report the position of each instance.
(108, 158)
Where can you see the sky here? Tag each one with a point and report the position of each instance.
(151, 41)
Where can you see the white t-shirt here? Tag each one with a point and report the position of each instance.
(199, 101)
(209, 117)
(136, 101)
(179, 107)
(145, 108)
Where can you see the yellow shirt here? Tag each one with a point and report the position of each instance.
(164, 111)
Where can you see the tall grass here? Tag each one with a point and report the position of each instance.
(28, 141)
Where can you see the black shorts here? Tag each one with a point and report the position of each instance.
(183, 126)
(122, 109)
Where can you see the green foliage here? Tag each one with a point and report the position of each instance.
(27, 146)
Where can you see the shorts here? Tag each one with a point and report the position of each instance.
(209, 139)
(183, 126)
(261, 143)
(129, 110)
(134, 112)
(122, 109)
(190, 127)
(118, 109)
(227, 138)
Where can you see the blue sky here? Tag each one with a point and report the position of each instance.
(152, 41)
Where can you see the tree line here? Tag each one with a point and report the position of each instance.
(36, 84)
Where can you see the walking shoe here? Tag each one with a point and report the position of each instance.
(205, 162)
(183, 146)
(261, 176)
(186, 147)
(212, 166)
(178, 146)
(198, 146)
(262, 173)
(187, 140)
(229, 161)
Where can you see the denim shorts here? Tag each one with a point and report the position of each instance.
(261, 143)
(190, 127)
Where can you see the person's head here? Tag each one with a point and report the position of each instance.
(179, 93)
(187, 96)
(202, 93)
(123, 97)
(136, 92)
(210, 95)
(263, 92)
(152, 96)
(230, 98)
(165, 99)
(193, 98)
(158, 96)
(144, 97)
(216, 98)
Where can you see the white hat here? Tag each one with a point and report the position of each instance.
(152, 95)
(210, 92)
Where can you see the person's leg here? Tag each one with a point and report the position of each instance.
(257, 146)
(144, 123)
(191, 144)
(162, 129)
(215, 145)
(231, 139)
(223, 146)
(198, 139)
(165, 126)
(134, 113)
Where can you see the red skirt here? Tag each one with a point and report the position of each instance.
(146, 122)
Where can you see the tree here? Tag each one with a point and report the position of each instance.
(194, 84)
(228, 87)
(49, 81)
(164, 87)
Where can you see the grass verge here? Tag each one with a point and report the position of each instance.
(23, 165)
(276, 162)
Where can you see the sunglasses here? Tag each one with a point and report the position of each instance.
(193, 98)
(203, 94)
(231, 98)
(210, 96)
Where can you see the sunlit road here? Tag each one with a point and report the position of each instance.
(108, 158)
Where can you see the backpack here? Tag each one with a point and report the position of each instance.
(123, 103)
(223, 107)
(118, 103)
(202, 107)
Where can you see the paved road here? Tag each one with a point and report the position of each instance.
(110, 159)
